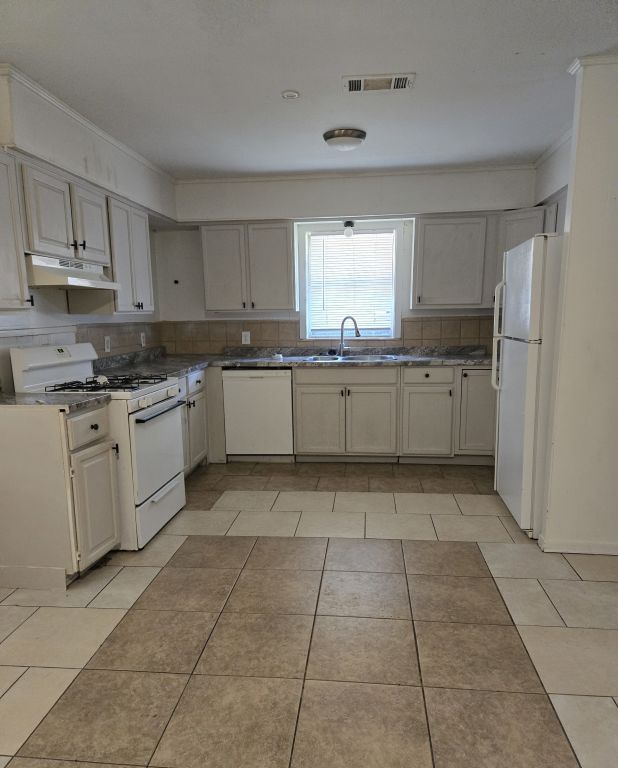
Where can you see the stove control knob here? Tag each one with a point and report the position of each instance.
(172, 391)
(144, 402)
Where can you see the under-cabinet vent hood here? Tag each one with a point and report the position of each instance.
(47, 271)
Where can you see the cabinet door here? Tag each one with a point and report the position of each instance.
(427, 421)
(518, 226)
(477, 426)
(140, 261)
(120, 231)
(13, 285)
(91, 225)
(371, 419)
(271, 267)
(224, 253)
(449, 263)
(95, 501)
(319, 419)
(198, 445)
(48, 214)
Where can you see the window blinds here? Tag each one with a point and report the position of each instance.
(350, 276)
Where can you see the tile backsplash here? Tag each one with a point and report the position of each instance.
(212, 336)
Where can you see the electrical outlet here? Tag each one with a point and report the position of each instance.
(142, 339)
(246, 337)
(107, 341)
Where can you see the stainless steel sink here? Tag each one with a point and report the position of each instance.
(370, 358)
(325, 358)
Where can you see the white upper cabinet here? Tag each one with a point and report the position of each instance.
(14, 292)
(91, 226)
(248, 266)
(449, 262)
(224, 249)
(140, 261)
(130, 243)
(518, 226)
(48, 214)
(271, 270)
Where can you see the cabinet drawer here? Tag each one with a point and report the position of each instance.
(346, 375)
(195, 381)
(87, 427)
(432, 375)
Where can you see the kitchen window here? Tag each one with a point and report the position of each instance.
(351, 275)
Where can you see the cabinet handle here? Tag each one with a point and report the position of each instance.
(198, 381)
(83, 244)
(426, 375)
(341, 393)
(74, 245)
(30, 301)
(450, 393)
(418, 299)
(348, 393)
(95, 427)
(253, 305)
(244, 304)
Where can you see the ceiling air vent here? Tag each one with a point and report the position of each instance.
(363, 83)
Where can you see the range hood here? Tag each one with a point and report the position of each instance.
(48, 271)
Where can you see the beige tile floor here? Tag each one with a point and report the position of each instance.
(371, 615)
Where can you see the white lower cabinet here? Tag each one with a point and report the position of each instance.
(346, 412)
(371, 419)
(319, 419)
(198, 444)
(95, 496)
(194, 419)
(477, 413)
(427, 420)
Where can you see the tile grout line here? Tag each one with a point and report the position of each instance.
(418, 656)
(304, 679)
(191, 674)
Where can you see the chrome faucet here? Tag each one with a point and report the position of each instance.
(357, 333)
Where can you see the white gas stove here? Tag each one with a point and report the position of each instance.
(145, 422)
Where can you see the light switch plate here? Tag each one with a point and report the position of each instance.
(142, 339)
(107, 341)
(246, 337)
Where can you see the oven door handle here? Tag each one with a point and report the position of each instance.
(156, 415)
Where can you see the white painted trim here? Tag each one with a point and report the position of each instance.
(8, 70)
(591, 61)
(553, 148)
(427, 171)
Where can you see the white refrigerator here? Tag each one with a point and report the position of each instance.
(525, 327)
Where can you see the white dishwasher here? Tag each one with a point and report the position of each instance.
(258, 412)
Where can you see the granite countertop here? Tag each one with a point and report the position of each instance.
(68, 401)
(181, 365)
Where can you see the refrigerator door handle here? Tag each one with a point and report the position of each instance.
(495, 380)
(498, 293)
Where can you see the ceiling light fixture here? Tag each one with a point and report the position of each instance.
(344, 139)
(348, 228)
(287, 95)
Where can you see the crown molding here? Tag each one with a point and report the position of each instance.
(553, 147)
(591, 61)
(429, 171)
(11, 72)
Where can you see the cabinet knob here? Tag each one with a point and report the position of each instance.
(426, 375)
(253, 305)
(198, 381)
(94, 426)
(244, 304)
(465, 375)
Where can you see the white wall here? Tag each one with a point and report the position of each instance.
(35, 122)
(355, 195)
(553, 169)
(583, 504)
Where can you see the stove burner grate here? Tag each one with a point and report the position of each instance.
(109, 383)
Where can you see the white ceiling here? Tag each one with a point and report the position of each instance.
(194, 85)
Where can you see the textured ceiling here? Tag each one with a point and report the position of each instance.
(195, 85)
